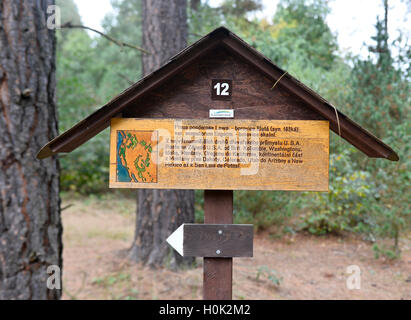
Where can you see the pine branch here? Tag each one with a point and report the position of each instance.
(121, 44)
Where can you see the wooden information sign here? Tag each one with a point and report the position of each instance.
(219, 154)
(219, 76)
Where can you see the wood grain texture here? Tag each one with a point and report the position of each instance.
(218, 272)
(218, 240)
(188, 95)
(289, 160)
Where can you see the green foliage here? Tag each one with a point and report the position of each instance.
(270, 274)
(119, 67)
(346, 207)
(202, 20)
(90, 72)
(84, 170)
(69, 13)
(239, 8)
(371, 196)
(297, 34)
(380, 101)
(390, 252)
(112, 279)
(265, 209)
(302, 28)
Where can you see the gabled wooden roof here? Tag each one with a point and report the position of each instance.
(100, 119)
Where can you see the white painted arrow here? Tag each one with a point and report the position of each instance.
(176, 239)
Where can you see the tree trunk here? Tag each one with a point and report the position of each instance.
(160, 212)
(195, 4)
(386, 21)
(30, 225)
(164, 31)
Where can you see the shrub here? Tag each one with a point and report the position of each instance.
(346, 206)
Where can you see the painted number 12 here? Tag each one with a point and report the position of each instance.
(222, 89)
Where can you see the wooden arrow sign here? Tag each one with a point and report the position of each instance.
(213, 240)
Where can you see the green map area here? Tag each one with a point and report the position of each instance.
(134, 163)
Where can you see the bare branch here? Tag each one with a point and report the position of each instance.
(125, 78)
(68, 25)
(66, 207)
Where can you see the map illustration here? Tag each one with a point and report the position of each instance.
(134, 157)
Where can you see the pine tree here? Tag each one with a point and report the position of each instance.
(160, 212)
(30, 224)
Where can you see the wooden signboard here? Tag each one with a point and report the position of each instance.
(217, 77)
(218, 154)
(213, 240)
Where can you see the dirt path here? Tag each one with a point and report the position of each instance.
(97, 234)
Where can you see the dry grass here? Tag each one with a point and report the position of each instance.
(98, 232)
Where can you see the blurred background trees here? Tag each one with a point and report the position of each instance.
(367, 196)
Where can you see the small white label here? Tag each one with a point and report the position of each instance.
(226, 113)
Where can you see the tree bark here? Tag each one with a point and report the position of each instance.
(30, 225)
(160, 212)
(164, 31)
(195, 4)
(386, 8)
(386, 20)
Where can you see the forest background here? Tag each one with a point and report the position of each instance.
(368, 197)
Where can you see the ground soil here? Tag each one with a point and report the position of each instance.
(99, 231)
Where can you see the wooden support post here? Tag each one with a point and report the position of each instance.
(218, 272)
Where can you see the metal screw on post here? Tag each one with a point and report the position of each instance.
(218, 252)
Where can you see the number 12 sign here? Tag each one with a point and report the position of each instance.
(221, 89)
